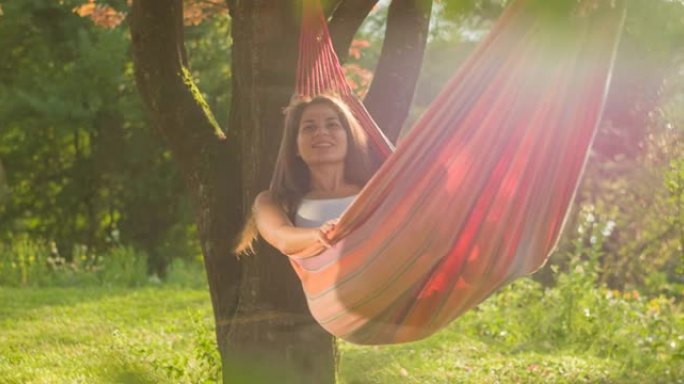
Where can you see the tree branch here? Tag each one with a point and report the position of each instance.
(391, 93)
(180, 114)
(345, 20)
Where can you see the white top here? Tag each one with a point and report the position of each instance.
(314, 212)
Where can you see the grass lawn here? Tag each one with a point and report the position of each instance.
(452, 357)
(98, 335)
(160, 335)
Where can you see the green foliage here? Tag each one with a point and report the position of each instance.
(581, 315)
(82, 165)
(186, 274)
(674, 180)
(47, 133)
(480, 9)
(122, 266)
(25, 262)
(29, 263)
(578, 318)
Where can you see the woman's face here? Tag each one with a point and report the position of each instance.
(321, 138)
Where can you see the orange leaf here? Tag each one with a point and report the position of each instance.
(360, 43)
(85, 9)
(102, 15)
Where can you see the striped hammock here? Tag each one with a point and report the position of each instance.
(476, 194)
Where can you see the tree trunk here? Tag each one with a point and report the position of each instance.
(273, 325)
(394, 83)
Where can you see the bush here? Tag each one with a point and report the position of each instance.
(122, 266)
(25, 262)
(186, 274)
(581, 316)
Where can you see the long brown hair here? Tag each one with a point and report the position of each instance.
(290, 180)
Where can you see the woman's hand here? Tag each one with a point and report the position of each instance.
(324, 232)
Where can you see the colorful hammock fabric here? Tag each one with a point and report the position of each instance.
(475, 196)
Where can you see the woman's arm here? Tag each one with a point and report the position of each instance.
(277, 229)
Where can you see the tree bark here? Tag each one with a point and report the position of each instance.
(273, 324)
(178, 113)
(394, 83)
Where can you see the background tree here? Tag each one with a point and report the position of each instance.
(73, 139)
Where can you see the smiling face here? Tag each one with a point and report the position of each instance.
(321, 137)
(338, 138)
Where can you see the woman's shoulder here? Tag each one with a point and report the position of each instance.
(265, 199)
(264, 195)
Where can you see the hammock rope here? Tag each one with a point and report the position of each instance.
(319, 71)
(477, 193)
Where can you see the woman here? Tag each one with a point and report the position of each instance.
(322, 165)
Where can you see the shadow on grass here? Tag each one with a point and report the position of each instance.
(131, 376)
(131, 368)
(118, 368)
(15, 302)
(18, 303)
